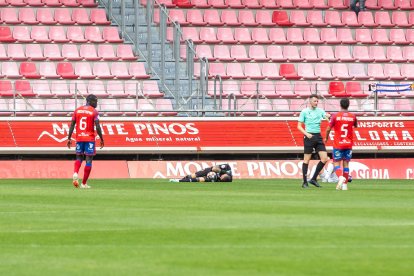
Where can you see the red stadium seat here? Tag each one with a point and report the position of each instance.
(311, 35)
(70, 52)
(16, 52)
(340, 71)
(259, 35)
(387, 5)
(75, 34)
(342, 53)
(408, 53)
(264, 18)
(246, 18)
(195, 17)
(212, 18)
(229, 18)
(399, 18)
(392, 71)
(267, 89)
(281, 18)
(34, 52)
(48, 70)
(22, 34)
(377, 53)
(397, 36)
(306, 71)
(291, 53)
(150, 89)
(295, 36)
(253, 71)
(288, 71)
(98, 17)
(137, 70)
(323, 71)
(66, 71)
(366, 19)
(257, 53)
(208, 35)
(242, 35)
(10, 70)
(6, 34)
(380, 36)
(123, 52)
(45, 16)
(69, 3)
(382, 18)
(6, 88)
(222, 53)
(83, 70)
(110, 34)
(97, 87)
(106, 52)
(39, 34)
(363, 36)
(271, 71)
(41, 88)
(350, 19)
(361, 54)
(52, 52)
(27, 16)
(315, 18)
(337, 4)
(302, 89)
(93, 34)
(274, 53)
(63, 16)
(297, 17)
(358, 71)
(120, 70)
(394, 54)
(337, 88)
(333, 19)
(24, 88)
(191, 33)
(29, 70)
(58, 34)
(328, 35)
(81, 16)
(238, 52)
(235, 71)
(3, 54)
(345, 36)
(9, 16)
(407, 70)
(88, 52)
(354, 89)
(376, 72)
(204, 51)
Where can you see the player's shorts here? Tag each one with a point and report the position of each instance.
(341, 154)
(87, 148)
(316, 142)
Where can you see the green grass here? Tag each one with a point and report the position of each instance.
(249, 227)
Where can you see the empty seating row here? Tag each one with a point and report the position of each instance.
(283, 89)
(316, 18)
(50, 89)
(67, 70)
(296, 35)
(59, 34)
(53, 16)
(50, 3)
(335, 18)
(286, 107)
(308, 53)
(285, 4)
(107, 107)
(66, 52)
(309, 71)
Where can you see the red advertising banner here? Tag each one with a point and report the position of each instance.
(199, 135)
(242, 169)
(262, 169)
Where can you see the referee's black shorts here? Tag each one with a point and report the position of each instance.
(316, 142)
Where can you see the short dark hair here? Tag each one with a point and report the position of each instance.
(344, 103)
(314, 96)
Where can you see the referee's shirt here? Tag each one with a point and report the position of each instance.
(312, 119)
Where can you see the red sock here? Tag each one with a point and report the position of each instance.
(346, 175)
(338, 172)
(78, 164)
(86, 173)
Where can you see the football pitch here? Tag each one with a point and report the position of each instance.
(248, 227)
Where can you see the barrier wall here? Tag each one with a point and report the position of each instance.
(198, 135)
(360, 169)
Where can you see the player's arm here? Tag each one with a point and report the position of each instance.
(301, 129)
(99, 131)
(328, 130)
(71, 129)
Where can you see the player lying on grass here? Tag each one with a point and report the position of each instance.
(217, 173)
(328, 175)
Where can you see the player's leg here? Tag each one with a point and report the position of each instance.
(78, 163)
(89, 153)
(305, 166)
(323, 155)
(346, 175)
(307, 156)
